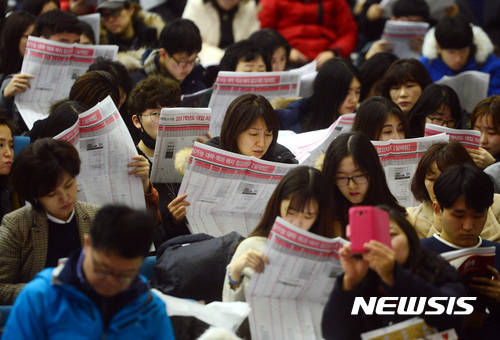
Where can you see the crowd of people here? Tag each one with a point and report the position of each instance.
(177, 48)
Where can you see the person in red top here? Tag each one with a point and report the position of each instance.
(316, 29)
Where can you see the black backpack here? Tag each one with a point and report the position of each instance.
(194, 266)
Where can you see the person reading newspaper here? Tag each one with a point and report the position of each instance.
(486, 118)
(52, 225)
(463, 195)
(455, 46)
(380, 119)
(437, 159)
(438, 104)
(403, 270)
(302, 199)
(336, 91)
(353, 172)
(250, 128)
(54, 25)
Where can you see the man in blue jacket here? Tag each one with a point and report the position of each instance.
(97, 292)
(455, 46)
(463, 195)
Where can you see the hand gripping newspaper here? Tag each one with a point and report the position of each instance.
(230, 85)
(400, 34)
(105, 148)
(470, 86)
(55, 67)
(471, 262)
(400, 158)
(288, 298)
(470, 139)
(227, 191)
(178, 128)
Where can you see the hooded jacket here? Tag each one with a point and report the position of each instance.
(483, 59)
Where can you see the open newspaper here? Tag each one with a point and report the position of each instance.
(94, 20)
(230, 85)
(471, 262)
(195, 99)
(470, 86)
(178, 128)
(55, 67)
(105, 148)
(400, 34)
(288, 298)
(470, 139)
(227, 191)
(399, 159)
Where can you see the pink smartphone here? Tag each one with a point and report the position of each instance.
(368, 223)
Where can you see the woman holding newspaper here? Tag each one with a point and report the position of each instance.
(486, 118)
(250, 128)
(404, 270)
(302, 199)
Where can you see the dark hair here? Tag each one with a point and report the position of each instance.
(240, 114)
(373, 113)
(330, 88)
(121, 230)
(453, 33)
(62, 115)
(359, 147)
(406, 8)
(464, 180)
(117, 69)
(154, 92)
(403, 71)
(372, 71)
(269, 41)
(35, 6)
(445, 155)
(420, 262)
(180, 35)
(487, 107)
(429, 102)
(244, 49)
(56, 21)
(88, 31)
(93, 86)
(14, 27)
(38, 168)
(7, 122)
(299, 185)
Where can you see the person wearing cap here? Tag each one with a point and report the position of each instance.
(125, 24)
(455, 46)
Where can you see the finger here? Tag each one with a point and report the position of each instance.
(494, 272)
(178, 199)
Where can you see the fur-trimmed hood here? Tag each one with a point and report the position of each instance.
(484, 46)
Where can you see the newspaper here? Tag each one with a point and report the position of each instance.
(438, 8)
(288, 298)
(105, 148)
(399, 159)
(178, 128)
(55, 67)
(414, 328)
(227, 191)
(470, 86)
(195, 99)
(471, 262)
(94, 20)
(230, 85)
(400, 33)
(387, 7)
(309, 151)
(470, 139)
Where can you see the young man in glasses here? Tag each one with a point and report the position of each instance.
(97, 293)
(177, 57)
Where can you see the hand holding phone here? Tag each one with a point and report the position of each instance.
(368, 223)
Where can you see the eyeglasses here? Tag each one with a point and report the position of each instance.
(154, 116)
(357, 179)
(111, 13)
(101, 274)
(442, 122)
(184, 63)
